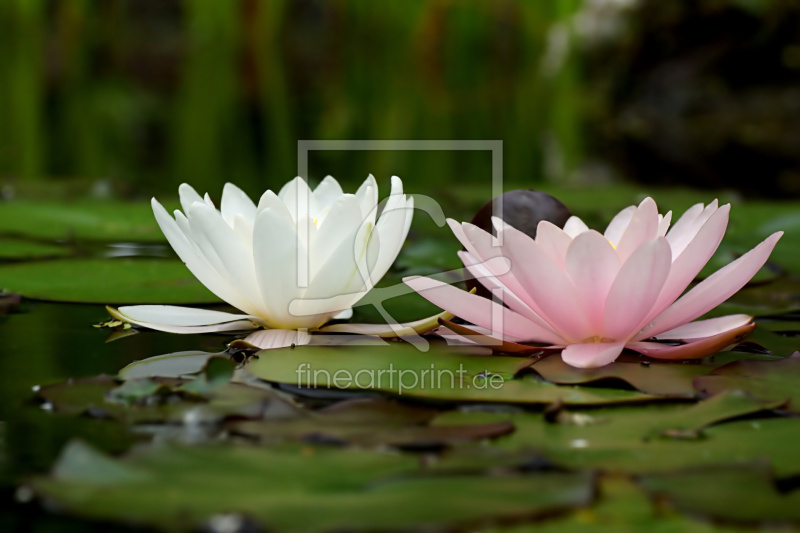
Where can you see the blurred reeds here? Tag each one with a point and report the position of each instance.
(156, 92)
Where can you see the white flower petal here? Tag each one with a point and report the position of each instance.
(194, 259)
(268, 339)
(336, 235)
(326, 193)
(297, 197)
(188, 196)
(236, 202)
(173, 319)
(235, 259)
(389, 331)
(275, 250)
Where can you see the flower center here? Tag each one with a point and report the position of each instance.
(596, 338)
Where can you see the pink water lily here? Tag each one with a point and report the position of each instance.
(594, 294)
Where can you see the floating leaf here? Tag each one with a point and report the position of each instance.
(171, 365)
(159, 400)
(106, 281)
(438, 375)
(621, 506)
(654, 438)
(97, 220)
(22, 249)
(368, 422)
(295, 489)
(217, 371)
(674, 379)
(746, 493)
(770, 380)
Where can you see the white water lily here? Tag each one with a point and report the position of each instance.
(291, 263)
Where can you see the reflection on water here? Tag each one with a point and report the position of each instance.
(46, 343)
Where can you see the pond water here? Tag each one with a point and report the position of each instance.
(551, 430)
(47, 343)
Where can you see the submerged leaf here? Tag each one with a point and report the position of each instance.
(300, 489)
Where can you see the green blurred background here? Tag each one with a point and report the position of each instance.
(137, 96)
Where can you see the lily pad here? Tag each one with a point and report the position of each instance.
(171, 365)
(652, 439)
(158, 401)
(621, 506)
(106, 281)
(770, 380)
(86, 219)
(369, 422)
(649, 377)
(22, 249)
(746, 494)
(438, 375)
(294, 489)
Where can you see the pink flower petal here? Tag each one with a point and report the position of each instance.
(619, 224)
(686, 228)
(714, 290)
(483, 337)
(492, 283)
(643, 227)
(484, 246)
(592, 265)
(480, 311)
(547, 288)
(695, 349)
(574, 226)
(268, 339)
(592, 354)
(694, 256)
(636, 288)
(663, 223)
(553, 241)
(700, 329)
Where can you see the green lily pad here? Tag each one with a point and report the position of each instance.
(770, 380)
(157, 400)
(746, 494)
(651, 439)
(22, 249)
(438, 375)
(776, 344)
(621, 506)
(106, 281)
(652, 378)
(104, 220)
(170, 365)
(776, 297)
(294, 489)
(368, 422)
